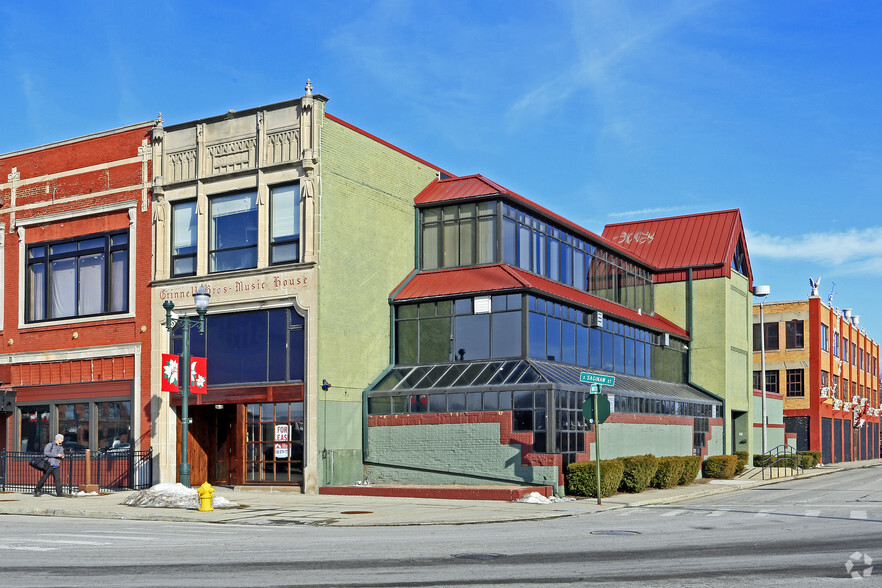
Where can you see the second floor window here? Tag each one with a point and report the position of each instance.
(771, 336)
(83, 277)
(184, 242)
(825, 345)
(285, 224)
(794, 334)
(233, 232)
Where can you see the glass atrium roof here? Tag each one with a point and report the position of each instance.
(426, 379)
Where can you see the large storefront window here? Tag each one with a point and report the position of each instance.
(34, 427)
(268, 346)
(95, 425)
(73, 423)
(274, 442)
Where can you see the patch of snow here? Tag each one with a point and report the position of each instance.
(172, 496)
(81, 493)
(536, 498)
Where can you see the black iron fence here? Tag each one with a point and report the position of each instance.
(108, 471)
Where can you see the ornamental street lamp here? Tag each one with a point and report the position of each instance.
(173, 322)
(761, 292)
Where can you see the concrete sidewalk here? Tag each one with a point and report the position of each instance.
(267, 507)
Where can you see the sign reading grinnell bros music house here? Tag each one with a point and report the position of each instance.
(268, 286)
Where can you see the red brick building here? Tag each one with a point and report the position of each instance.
(827, 367)
(75, 229)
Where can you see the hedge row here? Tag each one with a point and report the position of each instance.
(807, 459)
(631, 474)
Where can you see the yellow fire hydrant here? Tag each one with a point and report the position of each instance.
(205, 491)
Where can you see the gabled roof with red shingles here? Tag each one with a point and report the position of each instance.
(705, 242)
(499, 278)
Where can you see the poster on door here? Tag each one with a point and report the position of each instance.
(282, 450)
(281, 433)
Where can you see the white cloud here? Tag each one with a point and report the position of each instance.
(854, 250)
(643, 212)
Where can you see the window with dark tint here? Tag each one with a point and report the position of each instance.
(83, 277)
(771, 336)
(274, 340)
(795, 383)
(233, 232)
(793, 334)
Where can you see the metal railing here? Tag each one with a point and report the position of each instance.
(108, 470)
(782, 457)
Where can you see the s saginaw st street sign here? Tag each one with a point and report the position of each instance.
(597, 411)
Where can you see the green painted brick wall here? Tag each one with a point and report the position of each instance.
(461, 453)
(721, 346)
(365, 248)
(625, 439)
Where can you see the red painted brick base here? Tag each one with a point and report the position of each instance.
(507, 493)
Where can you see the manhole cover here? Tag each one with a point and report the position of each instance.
(356, 512)
(479, 555)
(615, 532)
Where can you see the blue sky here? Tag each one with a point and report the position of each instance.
(603, 111)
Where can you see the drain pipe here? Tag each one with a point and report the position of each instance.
(689, 310)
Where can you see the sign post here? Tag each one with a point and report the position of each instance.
(597, 381)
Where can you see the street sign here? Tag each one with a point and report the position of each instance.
(587, 378)
(603, 409)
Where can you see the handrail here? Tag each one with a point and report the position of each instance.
(781, 457)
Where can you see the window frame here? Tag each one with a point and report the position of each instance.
(213, 231)
(46, 259)
(194, 244)
(285, 240)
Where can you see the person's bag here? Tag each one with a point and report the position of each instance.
(40, 463)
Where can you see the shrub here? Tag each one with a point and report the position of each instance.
(638, 472)
(691, 467)
(668, 474)
(761, 460)
(809, 459)
(742, 456)
(582, 477)
(720, 466)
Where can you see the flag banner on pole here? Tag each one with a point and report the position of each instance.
(170, 373)
(198, 367)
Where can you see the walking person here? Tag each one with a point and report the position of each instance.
(54, 452)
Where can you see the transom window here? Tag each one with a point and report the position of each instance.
(83, 277)
(233, 232)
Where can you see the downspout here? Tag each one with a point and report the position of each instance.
(689, 311)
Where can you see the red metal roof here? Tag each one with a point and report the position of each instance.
(474, 186)
(499, 277)
(705, 242)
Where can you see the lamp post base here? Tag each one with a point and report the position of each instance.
(184, 474)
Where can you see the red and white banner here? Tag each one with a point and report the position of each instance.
(171, 376)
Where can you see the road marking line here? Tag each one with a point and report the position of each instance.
(859, 514)
(672, 513)
(812, 513)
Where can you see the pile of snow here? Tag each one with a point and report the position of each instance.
(172, 496)
(536, 498)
